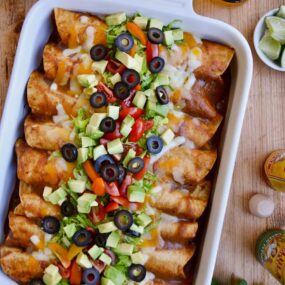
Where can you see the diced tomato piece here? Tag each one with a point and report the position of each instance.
(112, 189)
(97, 214)
(126, 183)
(132, 111)
(103, 141)
(128, 102)
(99, 265)
(98, 187)
(152, 51)
(140, 175)
(101, 87)
(139, 128)
(112, 206)
(75, 274)
(125, 203)
(115, 67)
(64, 272)
(115, 134)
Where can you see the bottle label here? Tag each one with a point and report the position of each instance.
(271, 253)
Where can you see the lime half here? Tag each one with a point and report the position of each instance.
(270, 47)
(281, 12)
(276, 26)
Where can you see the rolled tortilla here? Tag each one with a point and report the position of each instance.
(197, 130)
(45, 134)
(169, 263)
(57, 66)
(185, 165)
(36, 167)
(215, 60)
(182, 203)
(36, 207)
(23, 229)
(19, 210)
(179, 232)
(19, 265)
(72, 28)
(43, 100)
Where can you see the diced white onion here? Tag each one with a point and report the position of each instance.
(84, 19)
(60, 118)
(68, 52)
(90, 32)
(53, 87)
(35, 239)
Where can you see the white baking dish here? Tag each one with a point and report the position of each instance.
(34, 35)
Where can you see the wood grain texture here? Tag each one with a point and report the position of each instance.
(263, 132)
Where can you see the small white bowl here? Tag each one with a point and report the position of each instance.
(258, 34)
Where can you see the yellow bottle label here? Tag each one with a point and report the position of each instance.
(271, 253)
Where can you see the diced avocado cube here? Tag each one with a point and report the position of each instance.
(70, 230)
(138, 258)
(155, 23)
(168, 38)
(57, 196)
(143, 219)
(115, 78)
(149, 93)
(85, 202)
(105, 281)
(100, 66)
(115, 146)
(83, 261)
(107, 227)
(125, 249)
(125, 130)
(96, 119)
(162, 79)
(105, 258)
(116, 19)
(167, 136)
(140, 60)
(46, 193)
(98, 151)
(95, 252)
(139, 100)
(150, 108)
(77, 186)
(93, 132)
(86, 142)
(87, 80)
(113, 239)
(84, 209)
(82, 155)
(65, 241)
(129, 120)
(162, 110)
(131, 154)
(141, 22)
(51, 275)
(130, 62)
(113, 112)
(136, 194)
(89, 91)
(117, 277)
(178, 35)
(138, 229)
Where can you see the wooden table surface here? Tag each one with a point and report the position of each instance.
(263, 132)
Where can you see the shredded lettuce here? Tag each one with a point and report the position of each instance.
(56, 153)
(147, 182)
(79, 174)
(123, 263)
(171, 25)
(63, 282)
(81, 121)
(147, 78)
(113, 32)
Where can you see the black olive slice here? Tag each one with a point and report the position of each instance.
(121, 90)
(123, 220)
(154, 144)
(137, 272)
(131, 77)
(109, 172)
(135, 165)
(155, 36)
(156, 64)
(90, 276)
(98, 52)
(50, 225)
(124, 42)
(107, 125)
(98, 100)
(161, 95)
(69, 152)
(67, 209)
(82, 238)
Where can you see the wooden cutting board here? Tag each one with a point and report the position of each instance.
(263, 132)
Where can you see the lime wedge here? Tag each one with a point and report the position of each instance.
(270, 47)
(281, 12)
(282, 62)
(276, 27)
